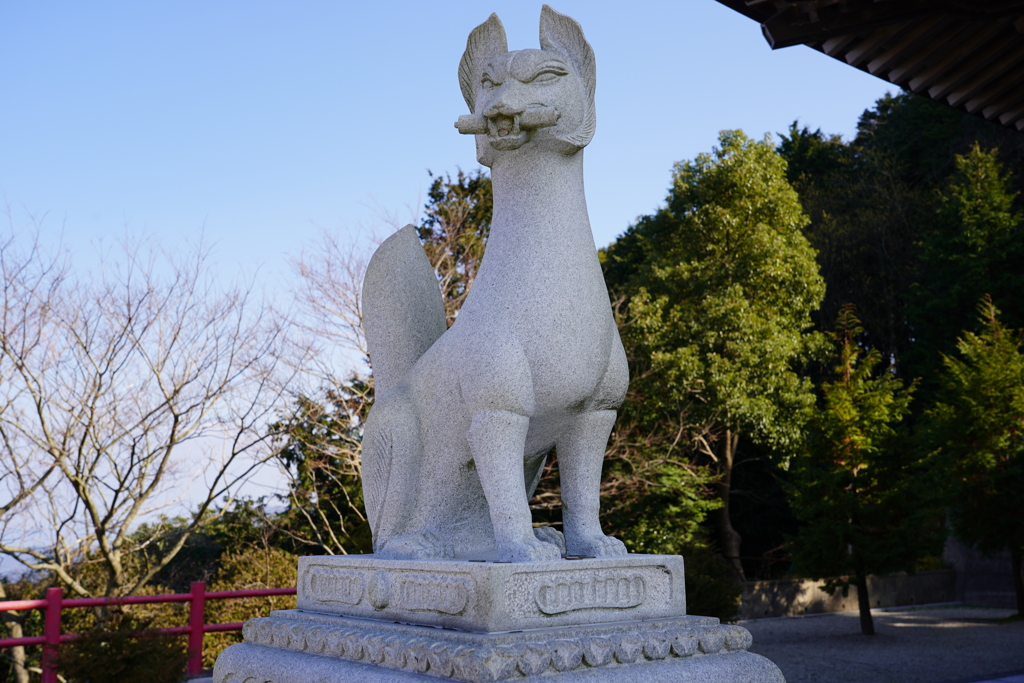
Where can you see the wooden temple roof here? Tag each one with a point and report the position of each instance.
(968, 54)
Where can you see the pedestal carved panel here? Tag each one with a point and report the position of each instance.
(494, 596)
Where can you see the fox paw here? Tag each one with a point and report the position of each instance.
(415, 547)
(551, 535)
(596, 546)
(529, 549)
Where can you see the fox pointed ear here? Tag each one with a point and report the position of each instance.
(563, 34)
(485, 42)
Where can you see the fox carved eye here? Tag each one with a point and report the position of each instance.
(548, 75)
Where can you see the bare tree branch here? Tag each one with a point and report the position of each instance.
(116, 389)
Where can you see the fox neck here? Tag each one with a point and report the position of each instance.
(539, 198)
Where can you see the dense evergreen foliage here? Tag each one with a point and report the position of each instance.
(891, 213)
(869, 503)
(978, 424)
(975, 249)
(114, 652)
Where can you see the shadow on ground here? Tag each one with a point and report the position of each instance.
(912, 645)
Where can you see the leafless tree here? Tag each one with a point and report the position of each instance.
(121, 395)
(329, 295)
(322, 449)
(453, 228)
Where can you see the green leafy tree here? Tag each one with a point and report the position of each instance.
(867, 502)
(879, 203)
(454, 229)
(321, 454)
(719, 287)
(979, 422)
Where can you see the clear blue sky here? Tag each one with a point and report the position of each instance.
(258, 122)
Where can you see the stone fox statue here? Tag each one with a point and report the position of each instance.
(465, 417)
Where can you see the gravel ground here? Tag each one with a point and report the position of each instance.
(939, 644)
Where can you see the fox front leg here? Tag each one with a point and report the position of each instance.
(580, 459)
(497, 440)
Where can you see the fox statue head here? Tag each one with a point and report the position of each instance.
(543, 97)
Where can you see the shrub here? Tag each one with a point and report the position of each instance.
(250, 569)
(111, 654)
(711, 586)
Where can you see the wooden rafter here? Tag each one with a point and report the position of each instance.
(968, 54)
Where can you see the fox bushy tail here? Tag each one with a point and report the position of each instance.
(403, 315)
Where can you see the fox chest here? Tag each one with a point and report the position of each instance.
(569, 349)
(549, 330)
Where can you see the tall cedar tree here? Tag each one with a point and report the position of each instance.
(974, 248)
(868, 503)
(873, 203)
(979, 425)
(720, 286)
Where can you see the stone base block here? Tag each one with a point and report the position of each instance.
(298, 647)
(488, 597)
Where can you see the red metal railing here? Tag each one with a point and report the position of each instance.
(54, 602)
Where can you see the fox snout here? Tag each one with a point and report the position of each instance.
(496, 119)
(504, 108)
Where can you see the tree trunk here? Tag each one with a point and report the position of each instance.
(13, 624)
(867, 624)
(727, 536)
(1018, 579)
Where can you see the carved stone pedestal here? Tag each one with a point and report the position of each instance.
(490, 597)
(610, 619)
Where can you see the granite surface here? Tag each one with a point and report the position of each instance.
(493, 597)
(464, 418)
(296, 647)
